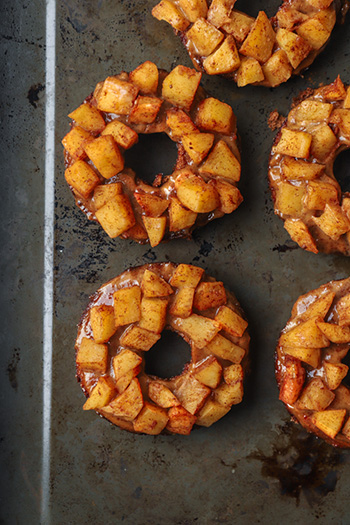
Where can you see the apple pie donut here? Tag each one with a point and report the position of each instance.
(203, 185)
(261, 51)
(305, 191)
(309, 362)
(126, 317)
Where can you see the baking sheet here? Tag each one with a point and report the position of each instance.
(251, 466)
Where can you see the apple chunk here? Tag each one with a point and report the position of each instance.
(116, 216)
(153, 314)
(209, 295)
(151, 420)
(329, 421)
(315, 396)
(306, 334)
(230, 321)
(180, 86)
(102, 393)
(210, 413)
(128, 404)
(82, 178)
(192, 394)
(201, 330)
(208, 372)
(153, 285)
(162, 395)
(127, 305)
(139, 338)
(126, 361)
(186, 275)
(91, 356)
(335, 374)
(102, 322)
(292, 382)
(180, 421)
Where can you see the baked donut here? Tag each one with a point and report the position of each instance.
(261, 51)
(305, 191)
(309, 368)
(126, 317)
(202, 186)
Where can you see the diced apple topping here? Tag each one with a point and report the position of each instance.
(153, 314)
(214, 115)
(260, 40)
(295, 47)
(301, 170)
(74, 142)
(82, 178)
(335, 373)
(186, 275)
(319, 307)
(204, 37)
(125, 362)
(102, 322)
(221, 162)
(249, 72)
(306, 334)
(300, 233)
(105, 155)
(323, 142)
(200, 329)
(122, 134)
(194, 9)
(329, 421)
(229, 394)
(89, 118)
(162, 395)
(194, 193)
(139, 338)
(116, 216)
(180, 217)
(319, 194)
(211, 412)
(208, 372)
(128, 404)
(343, 310)
(209, 295)
(278, 68)
(230, 196)
(102, 393)
(180, 86)
(192, 394)
(152, 205)
(92, 356)
(336, 334)
(127, 305)
(315, 396)
(151, 420)
(180, 421)
(197, 145)
(183, 302)
(294, 143)
(230, 321)
(145, 110)
(153, 285)
(106, 192)
(311, 356)
(314, 33)
(292, 382)
(167, 11)
(155, 227)
(239, 25)
(333, 222)
(179, 123)
(224, 60)
(225, 349)
(145, 76)
(116, 96)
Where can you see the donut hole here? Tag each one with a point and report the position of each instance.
(342, 170)
(153, 154)
(168, 357)
(253, 7)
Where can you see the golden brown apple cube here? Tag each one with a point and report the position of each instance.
(210, 413)
(231, 322)
(194, 193)
(315, 396)
(277, 69)
(335, 333)
(167, 11)
(319, 307)
(102, 322)
(214, 115)
(335, 373)
(314, 32)
(197, 145)
(105, 192)
(323, 142)
(116, 216)
(333, 222)
(295, 47)
(117, 96)
(127, 305)
(343, 310)
(180, 421)
(128, 404)
(192, 394)
(228, 395)
(201, 330)
(224, 60)
(186, 275)
(290, 199)
(145, 76)
(341, 117)
(208, 372)
(306, 334)
(125, 362)
(74, 142)
(122, 134)
(183, 302)
(204, 36)
(335, 90)
(230, 196)
(194, 9)
(233, 374)
(151, 420)
(347, 99)
(179, 216)
(162, 395)
(124, 381)
(209, 295)
(300, 234)
(92, 356)
(152, 205)
(179, 123)
(155, 227)
(219, 12)
(329, 421)
(89, 118)
(105, 155)
(346, 206)
(153, 285)
(225, 349)
(300, 169)
(82, 178)
(260, 40)
(292, 382)
(311, 356)
(249, 72)
(327, 17)
(145, 110)
(180, 86)
(221, 162)
(294, 143)
(153, 314)
(346, 429)
(102, 393)
(238, 25)
(320, 4)
(310, 110)
(139, 338)
(289, 17)
(319, 194)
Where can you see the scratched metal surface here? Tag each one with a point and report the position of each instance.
(253, 466)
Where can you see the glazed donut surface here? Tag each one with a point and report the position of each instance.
(309, 362)
(203, 185)
(126, 317)
(304, 188)
(260, 51)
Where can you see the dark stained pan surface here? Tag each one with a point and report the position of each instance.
(253, 466)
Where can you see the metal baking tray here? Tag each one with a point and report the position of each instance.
(60, 465)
